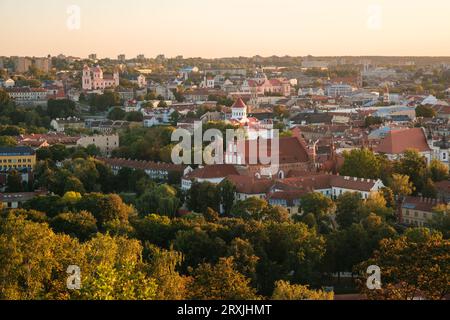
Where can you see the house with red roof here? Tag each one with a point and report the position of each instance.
(261, 85)
(398, 141)
(214, 174)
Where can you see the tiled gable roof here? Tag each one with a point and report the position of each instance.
(397, 142)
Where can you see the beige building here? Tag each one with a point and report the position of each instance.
(22, 64)
(418, 211)
(43, 64)
(106, 143)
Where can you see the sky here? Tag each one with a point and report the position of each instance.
(225, 28)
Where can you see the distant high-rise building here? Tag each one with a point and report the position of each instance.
(22, 64)
(93, 56)
(161, 57)
(140, 57)
(121, 57)
(1, 63)
(43, 64)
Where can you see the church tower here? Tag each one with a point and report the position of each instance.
(239, 110)
(87, 79)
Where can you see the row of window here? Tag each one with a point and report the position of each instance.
(15, 161)
(415, 214)
(415, 223)
(24, 166)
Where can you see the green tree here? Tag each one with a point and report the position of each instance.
(6, 141)
(220, 282)
(361, 164)
(113, 269)
(284, 290)
(134, 116)
(33, 260)
(251, 208)
(117, 113)
(81, 225)
(401, 186)
(317, 204)
(4, 99)
(163, 264)
(227, 193)
(438, 171)
(348, 209)
(161, 199)
(61, 108)
(202, 196)
(425, 112)
(416, 263)
(413, 165)
(106, 208)
(441, 220)
(429, 189)
(14, 182)
(244, 257)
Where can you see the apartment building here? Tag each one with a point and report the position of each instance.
(105, 143)
(17, 158)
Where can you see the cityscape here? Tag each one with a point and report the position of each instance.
(272, 177)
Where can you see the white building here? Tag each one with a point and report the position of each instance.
(208, 82)
(140, 80)
(9, 83)
(28, 94)
(339, 90)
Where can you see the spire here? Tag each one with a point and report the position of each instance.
(239, 104)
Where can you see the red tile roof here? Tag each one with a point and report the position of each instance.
(213, 171)
(421, 204)
(397, 142)
(325, 181)
(291, 150)
(250, 185)
(141, 165)
(239, 104)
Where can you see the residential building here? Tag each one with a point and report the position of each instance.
(339, 90)
(156, 171)
(158, 116)
(250, 187)
(213, 174)
(105, 126)
(22, 64)
(417, 211)
(140, 81)
(60, 125)
(16, 200)
(261, 85)
(43, 64)
(28, 94)
(105, 143)
(17, 158)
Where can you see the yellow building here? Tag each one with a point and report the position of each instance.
(17, 158)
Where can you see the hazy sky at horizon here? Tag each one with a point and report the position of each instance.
(219, 28)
